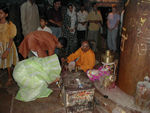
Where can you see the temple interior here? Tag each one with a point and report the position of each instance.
(118, 82)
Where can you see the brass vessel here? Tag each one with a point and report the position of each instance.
(107, 57)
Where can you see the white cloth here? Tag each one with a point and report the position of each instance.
(29, 17)
(81, 16)
(47, 29)
(71, 66)
(35, 53)
(73, 18)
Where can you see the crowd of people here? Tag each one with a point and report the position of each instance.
(71, 30)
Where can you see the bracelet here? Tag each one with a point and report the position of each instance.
(8, 49)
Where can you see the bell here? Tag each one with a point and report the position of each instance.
(107, 57)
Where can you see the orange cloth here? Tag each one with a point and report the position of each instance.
(38, 41)
(86, 59)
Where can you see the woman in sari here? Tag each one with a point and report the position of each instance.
(69, 29)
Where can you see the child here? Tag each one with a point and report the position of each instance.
(8, 52)
(43, 27)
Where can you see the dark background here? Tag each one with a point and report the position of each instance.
(43, 5)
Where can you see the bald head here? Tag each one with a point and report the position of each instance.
(85, 46)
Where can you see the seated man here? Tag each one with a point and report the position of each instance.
(41, 42)
(84, 56)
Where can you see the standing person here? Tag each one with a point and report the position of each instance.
(29, 17)
(112, 25)
(95, 20)
(82, 24)
(69, 29)
(43, 25)
(55, 18)
(8, 52)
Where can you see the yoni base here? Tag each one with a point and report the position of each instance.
(77, 100)
(80, 109)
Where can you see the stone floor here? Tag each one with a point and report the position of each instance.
(54, 104)
(8, 103)
(51, 104)
(116, 97)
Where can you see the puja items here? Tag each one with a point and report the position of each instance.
(77, 92)
(142, 98)
(109, 81)
(95, 74)
(71, 66)
(102, 75)
(107, 57)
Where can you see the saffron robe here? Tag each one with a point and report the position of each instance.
(86, 59)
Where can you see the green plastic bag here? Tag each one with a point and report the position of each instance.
(33, 76)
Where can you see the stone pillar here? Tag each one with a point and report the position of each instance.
(135, 45)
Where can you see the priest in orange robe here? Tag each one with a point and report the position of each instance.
(84, 57)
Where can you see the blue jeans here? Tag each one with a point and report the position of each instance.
(111, 39)
(57, 32)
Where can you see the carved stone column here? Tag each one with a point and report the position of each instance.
(135, 45)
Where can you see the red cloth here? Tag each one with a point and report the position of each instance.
(38, 41)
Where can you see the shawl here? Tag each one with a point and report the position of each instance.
(40, 42)
(73, 17)
(33, 76)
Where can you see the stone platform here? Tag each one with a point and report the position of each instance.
(111, 99)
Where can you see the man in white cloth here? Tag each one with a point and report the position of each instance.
(29, 17)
